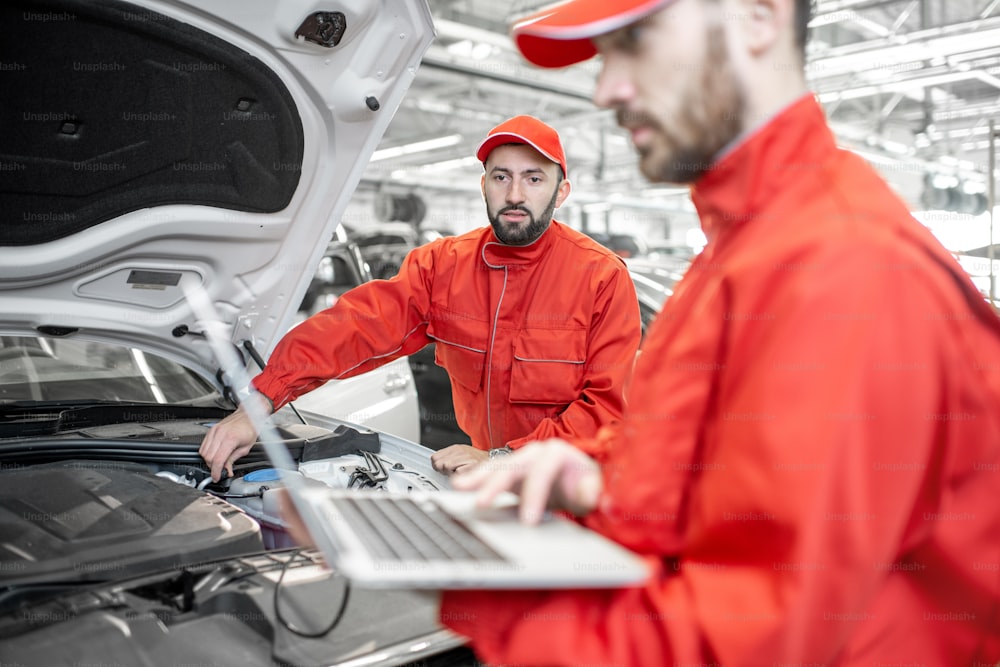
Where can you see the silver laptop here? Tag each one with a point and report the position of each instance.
(440, 540)
(431, 540)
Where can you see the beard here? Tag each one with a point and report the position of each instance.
(709, 119)
(514, 235)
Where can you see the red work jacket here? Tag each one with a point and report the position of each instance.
(810, 458)
(537, 340)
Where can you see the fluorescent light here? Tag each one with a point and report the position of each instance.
(416, 147)
(442, 165)
(468, 49)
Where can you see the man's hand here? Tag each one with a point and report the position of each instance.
(549, 474)
(454, 458)
(231, 438)
(290, 516)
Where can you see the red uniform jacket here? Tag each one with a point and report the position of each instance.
(538, 340)
(813, 442)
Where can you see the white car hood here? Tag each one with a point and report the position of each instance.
(118, 276)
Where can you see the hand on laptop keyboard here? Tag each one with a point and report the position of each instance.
(548, 474)
(467, 502)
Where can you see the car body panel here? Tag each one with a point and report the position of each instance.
(383, 399)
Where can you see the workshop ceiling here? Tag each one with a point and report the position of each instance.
(911, 84)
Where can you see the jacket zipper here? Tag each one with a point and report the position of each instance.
(489, 349)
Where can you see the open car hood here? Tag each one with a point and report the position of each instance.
(152, 143)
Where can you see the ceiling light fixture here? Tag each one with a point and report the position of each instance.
(466, 48)
(439, 166)
(416, 147)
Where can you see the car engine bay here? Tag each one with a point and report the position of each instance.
(115, 537)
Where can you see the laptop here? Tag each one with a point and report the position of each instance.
(431, 539)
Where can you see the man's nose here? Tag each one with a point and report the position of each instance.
(614, 87)
(515, 193)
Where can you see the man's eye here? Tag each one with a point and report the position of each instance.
(632, 35)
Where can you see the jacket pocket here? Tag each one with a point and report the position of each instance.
(548, 366)
(460, 348)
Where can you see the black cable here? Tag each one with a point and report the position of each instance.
(281, 619)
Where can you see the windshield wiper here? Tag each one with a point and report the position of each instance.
(34, 418)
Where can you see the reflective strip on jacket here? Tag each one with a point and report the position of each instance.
(810, 457)
(538, 340)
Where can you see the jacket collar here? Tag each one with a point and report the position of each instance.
(793, 144)
(496, 254)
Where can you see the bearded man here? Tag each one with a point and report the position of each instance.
(808, 458)
(536, 324)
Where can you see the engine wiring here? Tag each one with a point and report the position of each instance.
(288, 625)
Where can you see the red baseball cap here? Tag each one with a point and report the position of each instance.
(525, 130)
(561, 34)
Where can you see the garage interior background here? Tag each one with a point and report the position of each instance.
(911, 85)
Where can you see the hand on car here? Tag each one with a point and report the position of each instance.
(231, 439)
(549, 474)
(454, 458)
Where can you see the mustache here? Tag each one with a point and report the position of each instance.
(633, 119)
(514, 207)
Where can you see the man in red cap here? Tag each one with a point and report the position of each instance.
(536, 324)
(810, 452)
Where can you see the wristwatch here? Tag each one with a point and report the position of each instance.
(500, 451)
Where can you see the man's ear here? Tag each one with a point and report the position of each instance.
(766, 21)
(564, 189)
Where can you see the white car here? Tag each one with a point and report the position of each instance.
(383, 399)
(150, 147)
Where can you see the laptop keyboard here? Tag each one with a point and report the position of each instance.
(398, 529)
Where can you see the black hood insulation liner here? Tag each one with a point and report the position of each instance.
(110, 108)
